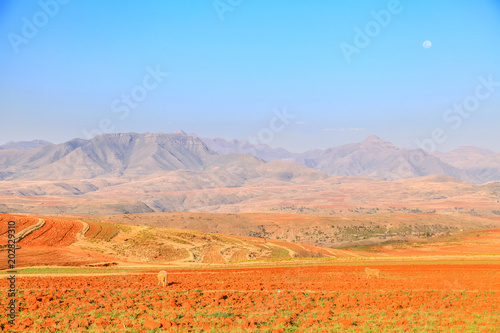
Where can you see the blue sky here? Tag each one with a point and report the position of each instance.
(232, 65)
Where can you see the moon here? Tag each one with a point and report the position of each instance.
(427, 44)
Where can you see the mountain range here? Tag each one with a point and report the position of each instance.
(131, 172)
(132, 155)
(377, 158)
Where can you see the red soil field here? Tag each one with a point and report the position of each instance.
(104, 231)
(22, 222)
(49, 245)
(94, 230)
(320, 299)
(30, 256)
(55, 232)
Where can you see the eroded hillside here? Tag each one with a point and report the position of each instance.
(328, 231)
(70, 242)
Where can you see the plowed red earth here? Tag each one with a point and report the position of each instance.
(48, 245)
(103, 231)
(94, 230)
(53, 233)
(21, 223)
(430, 298)
(55, 256)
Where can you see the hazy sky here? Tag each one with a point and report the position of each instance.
(291, 73)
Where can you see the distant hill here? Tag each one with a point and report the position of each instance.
(157, 172)
(124, 154)
(330, 231)
(24, 145)
(378, 158)
(131, 172)
(134, 155)
(262, 151)
(481, 165)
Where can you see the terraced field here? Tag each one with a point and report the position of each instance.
(101, 231)
(54, 233)
(256, 284)
(60, 242)
(21, 223)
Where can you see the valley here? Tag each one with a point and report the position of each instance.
(251, 243)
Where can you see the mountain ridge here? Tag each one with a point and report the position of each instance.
(136, 154)
(167, 172)
(24, 145)
(374, 157)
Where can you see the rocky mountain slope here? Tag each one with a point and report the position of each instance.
(378, 158)
(133, 155)
(132, 172)
(117, 155)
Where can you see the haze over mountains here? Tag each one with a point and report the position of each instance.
(377, 158)
(132, 154)
(130, 172)
(24, 145)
